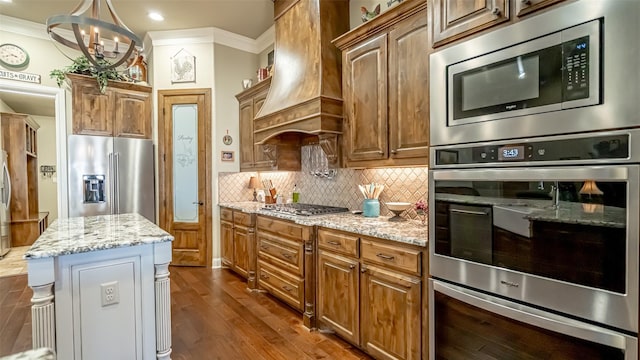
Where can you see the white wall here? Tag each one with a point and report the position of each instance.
(47, 186)
(231, 66)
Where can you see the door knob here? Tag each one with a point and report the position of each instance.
(198, 203)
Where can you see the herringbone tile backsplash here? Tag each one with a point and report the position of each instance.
(401, 184)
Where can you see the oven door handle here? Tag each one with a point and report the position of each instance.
(537, 317)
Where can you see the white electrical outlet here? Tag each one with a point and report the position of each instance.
(110, 293)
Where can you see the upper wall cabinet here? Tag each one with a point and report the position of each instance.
(456, 19)
(123, 110)
(385, 81)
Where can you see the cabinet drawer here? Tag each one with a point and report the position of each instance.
(338, 242)
(226, 214)
(281, 284)
(403, 259)
(244, 219)
(284, 228)
(280, 251)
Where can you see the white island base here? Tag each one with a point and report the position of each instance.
(101, 288)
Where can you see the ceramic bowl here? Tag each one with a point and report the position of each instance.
(398, 206)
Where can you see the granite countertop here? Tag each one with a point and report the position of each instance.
(35, 354)
(408, 232)
(567, 212)
(93, 233)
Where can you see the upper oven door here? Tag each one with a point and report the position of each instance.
(564, 238)
(526, 79)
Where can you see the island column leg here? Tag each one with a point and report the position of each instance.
(163, 312)
(43, 317)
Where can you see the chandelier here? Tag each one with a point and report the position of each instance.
(91, 44)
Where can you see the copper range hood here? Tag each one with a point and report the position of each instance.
(305, 97)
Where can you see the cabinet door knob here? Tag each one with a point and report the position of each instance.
(380, 152)
(496, 11)
(352, 266)
(394, 151)
(363, 270)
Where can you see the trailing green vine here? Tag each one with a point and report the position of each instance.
(82, 66)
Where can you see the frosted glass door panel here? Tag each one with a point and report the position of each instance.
(185, 163)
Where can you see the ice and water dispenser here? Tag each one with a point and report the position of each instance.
(93, 188)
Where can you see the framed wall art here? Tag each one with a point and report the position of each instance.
(227, 156)
(183, 67)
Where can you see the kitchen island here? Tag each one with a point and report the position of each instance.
(101, 288)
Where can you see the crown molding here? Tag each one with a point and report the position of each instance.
(24, 27)
(156, 38)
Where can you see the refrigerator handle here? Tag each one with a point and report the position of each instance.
(111, 183)
(117, 183)
(7, 186)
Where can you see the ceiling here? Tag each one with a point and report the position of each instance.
(250, 18)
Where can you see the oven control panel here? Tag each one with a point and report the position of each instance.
(576, 149)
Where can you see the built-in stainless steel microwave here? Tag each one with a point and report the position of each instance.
(569, 70)
(554, 72)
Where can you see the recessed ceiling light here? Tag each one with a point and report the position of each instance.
(156, 16)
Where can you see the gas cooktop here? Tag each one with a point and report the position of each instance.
(305, 209)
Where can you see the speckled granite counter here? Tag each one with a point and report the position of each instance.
(408, 232)
(36, 354)
(98, 277)
(84, 234)
(567, 212)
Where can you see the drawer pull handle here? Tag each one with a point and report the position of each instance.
(287, 289)
(288, 256)
(264, 247)
(496, 11)
(263, 276)
(331, 242)
(385, 257)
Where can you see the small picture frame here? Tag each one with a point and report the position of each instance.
(183, 67)
(227, 156)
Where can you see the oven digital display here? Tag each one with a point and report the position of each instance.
(511, 152)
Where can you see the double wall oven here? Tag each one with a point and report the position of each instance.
(535, 189)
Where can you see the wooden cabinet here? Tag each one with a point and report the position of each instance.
(370, 293)
(454, 19)
(237, 243)
(338, 289)
(226, 237)
(123, 110)
(385, 88)
(252, 157)
(20, 143)
(285, 263)
(390, 313)
(525, 7)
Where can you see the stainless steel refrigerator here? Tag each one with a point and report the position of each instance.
(5, 211)
(111, 175)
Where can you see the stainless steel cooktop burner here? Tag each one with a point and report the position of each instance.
(305, 209)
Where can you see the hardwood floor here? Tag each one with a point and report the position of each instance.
(213, 317)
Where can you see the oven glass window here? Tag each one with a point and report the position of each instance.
(506, 83)
(573, 231)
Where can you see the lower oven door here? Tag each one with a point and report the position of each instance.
(560, 238)
(466, 324)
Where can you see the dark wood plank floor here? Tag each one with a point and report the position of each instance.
(213, 317)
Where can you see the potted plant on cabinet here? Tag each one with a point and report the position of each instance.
(82, 66)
